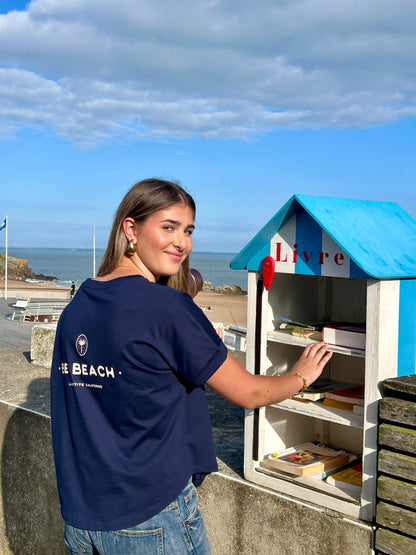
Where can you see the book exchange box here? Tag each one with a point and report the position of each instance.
(345, 269)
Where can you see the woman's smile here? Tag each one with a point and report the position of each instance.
(164, 240)
(175, 256)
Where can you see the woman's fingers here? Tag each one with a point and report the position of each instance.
(316, 350)
(313, 360)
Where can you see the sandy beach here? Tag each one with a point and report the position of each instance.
(227, 309)
(13, 284)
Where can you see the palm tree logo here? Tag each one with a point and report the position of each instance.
(81, 344)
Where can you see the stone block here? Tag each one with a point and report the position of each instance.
(399, 438)
(42, 342)
(398, 410)
(397, 491)
(401, 385)
(398, 465)
(396, 518)
(392, 543)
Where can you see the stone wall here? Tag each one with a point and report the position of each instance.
(241, 518)
(30, 520)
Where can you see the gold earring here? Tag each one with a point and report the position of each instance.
(130, 250)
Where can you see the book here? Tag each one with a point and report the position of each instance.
(286, 323)
(318, 389)
(354, 459)
(299, 329)
(306, 333)
(358, 409)
(352, 337)
(238, 330)
(333, 403)
(308, 458)
(353, 394)
(349, 479)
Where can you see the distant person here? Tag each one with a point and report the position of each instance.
(72, 291)
(131, 431)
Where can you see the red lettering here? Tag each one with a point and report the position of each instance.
(339, 259)
(321, 257)
(279, 253)
(306, 256)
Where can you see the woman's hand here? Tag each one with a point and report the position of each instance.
(239, 386)
(312, 362)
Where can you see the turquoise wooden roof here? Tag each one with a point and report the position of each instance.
(380, 237)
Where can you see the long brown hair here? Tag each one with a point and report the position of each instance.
(142, 200)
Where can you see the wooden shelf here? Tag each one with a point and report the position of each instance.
(310, 483)
(284, 336)
(316, 409)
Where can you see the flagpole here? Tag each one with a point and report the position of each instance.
(5, 262)
(93, 260)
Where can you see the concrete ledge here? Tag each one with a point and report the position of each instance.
(30, 519)
(241, 518)
(33, 292)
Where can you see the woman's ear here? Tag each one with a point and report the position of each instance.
(129, 228)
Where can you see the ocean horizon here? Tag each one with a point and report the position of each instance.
(77, 264)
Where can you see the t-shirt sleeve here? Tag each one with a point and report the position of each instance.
(189, 342)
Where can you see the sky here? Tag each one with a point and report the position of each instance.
(243, 103)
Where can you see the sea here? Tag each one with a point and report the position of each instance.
(77, 265)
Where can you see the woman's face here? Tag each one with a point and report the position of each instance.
(164, 240)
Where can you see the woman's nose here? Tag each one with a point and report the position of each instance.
(179, 240)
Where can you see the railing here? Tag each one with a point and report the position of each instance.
(39, 311)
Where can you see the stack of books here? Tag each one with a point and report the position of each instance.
(335, 394)
(349, 398)
(349, 479)
(312, 458)
(340, 334)
(318, 389)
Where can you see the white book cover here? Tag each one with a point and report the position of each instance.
(352, 337)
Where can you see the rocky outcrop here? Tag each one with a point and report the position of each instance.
(224, 290)
(18, 268)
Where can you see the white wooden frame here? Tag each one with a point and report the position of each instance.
(380, 362)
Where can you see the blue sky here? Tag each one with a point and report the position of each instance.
(245, 104)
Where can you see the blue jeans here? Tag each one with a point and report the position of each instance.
(178, 529)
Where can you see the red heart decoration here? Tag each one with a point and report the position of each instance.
(268, 271)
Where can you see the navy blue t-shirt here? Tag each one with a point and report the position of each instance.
(130, 422)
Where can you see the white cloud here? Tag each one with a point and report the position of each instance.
(96, 70)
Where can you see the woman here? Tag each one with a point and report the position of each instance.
(130, 424)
